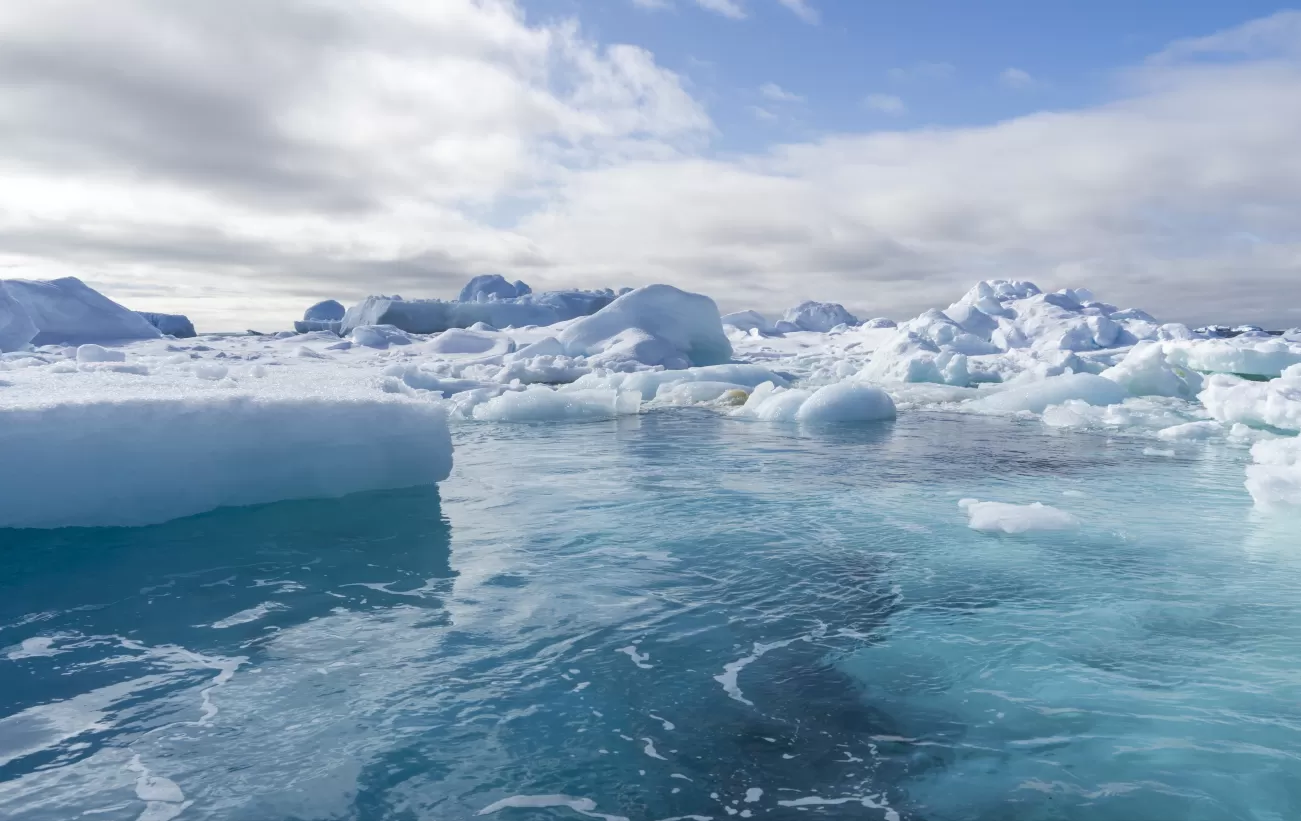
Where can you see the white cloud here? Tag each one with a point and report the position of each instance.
(652, 5)
(727, 8)
(186, 160)
(922, 71)
(801, 9)
(761, 113)
(885, 103)
(776, 93)
(1016, 78)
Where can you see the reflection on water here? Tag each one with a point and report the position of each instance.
(673, 615)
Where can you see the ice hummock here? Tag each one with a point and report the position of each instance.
(175, 325)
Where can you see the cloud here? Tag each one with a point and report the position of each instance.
(802, 10)
(239, 160)
(652, 5)
(885, 103)
(922, 71)
(776, 93)
(727, 8)
(1016, 78)
(761, 113)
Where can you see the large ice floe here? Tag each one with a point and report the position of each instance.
(361, 397)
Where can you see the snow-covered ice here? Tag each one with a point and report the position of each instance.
(504, 354)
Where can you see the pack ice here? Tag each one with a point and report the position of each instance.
(362, 397)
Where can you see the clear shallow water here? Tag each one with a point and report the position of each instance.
(663, 617)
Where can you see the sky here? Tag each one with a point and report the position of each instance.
(237, 161)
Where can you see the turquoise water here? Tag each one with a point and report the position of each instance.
(675, 615)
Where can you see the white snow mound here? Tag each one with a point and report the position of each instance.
(655, 325)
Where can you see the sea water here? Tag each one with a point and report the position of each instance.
(675, 615)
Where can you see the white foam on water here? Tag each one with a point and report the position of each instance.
(245, 616)
(753, 794)
(732, 670)
(638, 659)
(582, 806)
(649, 749)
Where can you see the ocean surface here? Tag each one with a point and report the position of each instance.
(675, 615)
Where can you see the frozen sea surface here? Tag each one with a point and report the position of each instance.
(671, 615)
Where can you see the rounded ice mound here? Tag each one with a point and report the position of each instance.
(177, 325)
(1036, 396)
(747, 320)
(456, 340)
(846, 402)
(16, 327)
(327, 311)
(379, 336)
(650, 324)
(97, 353)
(1248, 356)
(819, 316)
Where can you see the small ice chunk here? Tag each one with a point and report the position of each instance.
(97, 353)
(1191, 431)
(846, 402)
(1000, 517)
(1055, 390)
(1274, 478)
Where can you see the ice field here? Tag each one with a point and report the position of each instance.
(606, 554)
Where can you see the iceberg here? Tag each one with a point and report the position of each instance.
(16, 327)
(655, 325)
(492, 286)
(838, 403)
(174, 325)
(68, 312)
(327, 311)
(819, 316)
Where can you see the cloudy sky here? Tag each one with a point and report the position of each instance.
(237, 160)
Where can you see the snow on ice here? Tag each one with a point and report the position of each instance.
(362, 397)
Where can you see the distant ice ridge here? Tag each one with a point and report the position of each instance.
(103, 448)
(486, 303)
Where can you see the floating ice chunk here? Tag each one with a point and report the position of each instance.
(379, 336)
(541, 404)
(695, 393)
(1244, 356)
(1035, 397)
(649, 383)
(175, 325)
(67, 311)
(685, 323)
(96, 353)
(1191, 431)
(103, 449)
(1146, 371)
(846, 402)
(999, 517)
(326, 311)
(819, 316)
(770, 403)
(16, 327)
(879, 322)
(1275, 404)
(1274, 478)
